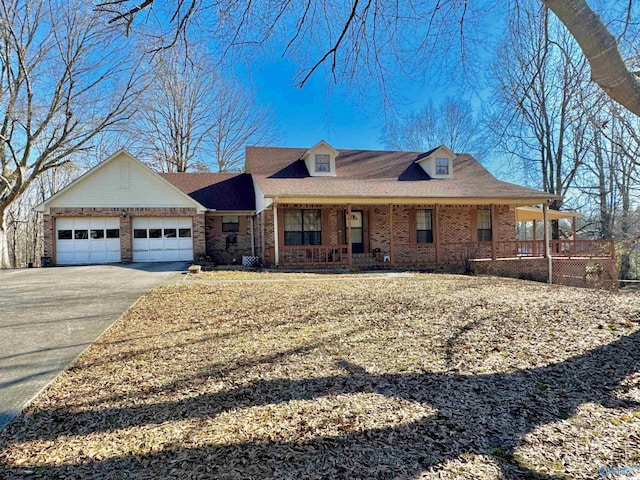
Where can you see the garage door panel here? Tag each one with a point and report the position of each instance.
(83, 240)
(163, 241)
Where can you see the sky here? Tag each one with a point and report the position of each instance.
(323, 110)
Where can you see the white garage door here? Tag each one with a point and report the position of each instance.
(87, 240)
(158, 239)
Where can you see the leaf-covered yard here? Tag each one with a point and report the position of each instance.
(320, 376)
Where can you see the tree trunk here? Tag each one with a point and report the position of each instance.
(600, 47)
(4, 241)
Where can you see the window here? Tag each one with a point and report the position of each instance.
(97, 234)
(155, 233)
(484, 225)
(140, 233)
(442, 166)
(170, 233)
(65, 234)
(323, 163)
(423, 226)
(303, 227)
(113, 233)
(230, 223)
(81, 234)
(184, 233)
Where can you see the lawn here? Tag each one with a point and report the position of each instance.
(245, 376)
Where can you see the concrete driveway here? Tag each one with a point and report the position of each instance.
(49, 316)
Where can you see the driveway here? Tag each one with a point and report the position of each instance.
(49, 316)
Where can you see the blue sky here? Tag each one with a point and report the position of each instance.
(343, 116)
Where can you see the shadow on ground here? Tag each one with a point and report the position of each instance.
(477, 414)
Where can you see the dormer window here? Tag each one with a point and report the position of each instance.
(323, 163)
(442, 166)
(437, 163)
(320, 160)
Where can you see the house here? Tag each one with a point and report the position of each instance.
(295, 207)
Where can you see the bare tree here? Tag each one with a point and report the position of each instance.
(538, 114)
(360, 35)
(453, 124)
(190, 118)
(56, 65)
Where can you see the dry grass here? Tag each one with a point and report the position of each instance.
(422, 376)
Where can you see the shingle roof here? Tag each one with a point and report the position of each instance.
(216, 191)
(279, 172)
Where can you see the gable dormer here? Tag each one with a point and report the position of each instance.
(438, 163)
(321, 160)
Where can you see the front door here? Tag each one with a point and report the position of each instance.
(357, 233)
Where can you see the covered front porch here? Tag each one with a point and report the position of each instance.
(391, 235)
(404, 235)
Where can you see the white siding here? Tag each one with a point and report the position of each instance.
(123, 182)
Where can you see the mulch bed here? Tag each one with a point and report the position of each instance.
(391, 377)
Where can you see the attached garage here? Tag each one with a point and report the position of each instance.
(162, 239)
(87, 240)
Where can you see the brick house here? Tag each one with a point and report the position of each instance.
(297, 207)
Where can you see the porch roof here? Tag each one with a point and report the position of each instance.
(366, 174)
(528, 214)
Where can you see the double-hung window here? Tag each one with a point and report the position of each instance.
(484, 225)
(323, 163)
(230, 223)
(424, 229)
(442, 166)
(303, 227)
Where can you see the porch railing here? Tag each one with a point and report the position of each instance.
(314, 255)
(450, 253)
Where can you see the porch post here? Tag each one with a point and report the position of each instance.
(494, 230)
(348, 228)
(437, 225)
(547, 248)
(575, 235)
(253, 236)
(276, 248)
(391, 233)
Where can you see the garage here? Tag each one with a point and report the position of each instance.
(87, 240)
(162, 239)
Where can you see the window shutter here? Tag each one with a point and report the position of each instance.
(474, 224)
(242, 225)
(366, 247)
(280, 226)
(326, 226)
(341, 233)
(217, 226)
(413, 234)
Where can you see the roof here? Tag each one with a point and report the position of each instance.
(280, 172)
(527, 214)
(216, 191)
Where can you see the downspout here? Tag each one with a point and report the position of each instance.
(547, 247)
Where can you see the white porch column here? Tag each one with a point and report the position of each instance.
(547, 247)
(276, 249)
(253, 236)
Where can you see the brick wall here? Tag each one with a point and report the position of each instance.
(125, 215)
(220, 245)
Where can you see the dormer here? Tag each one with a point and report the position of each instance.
(438, 163)
(321, 160)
